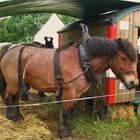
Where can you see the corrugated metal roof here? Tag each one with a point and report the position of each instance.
(84, 9)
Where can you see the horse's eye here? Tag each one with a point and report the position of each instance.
(123, 58)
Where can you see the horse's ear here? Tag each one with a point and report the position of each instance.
(46, 38)
(51, 38)
(119, 42)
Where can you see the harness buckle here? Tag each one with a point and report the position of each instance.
(86, 64)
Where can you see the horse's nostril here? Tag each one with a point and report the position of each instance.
(135, 83)
(132, 82)
(131, 85)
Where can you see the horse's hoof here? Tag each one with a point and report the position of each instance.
(71, 128)
(24, 97)
(20, 117)
(41, 95)
(64, 133)
(14, 118)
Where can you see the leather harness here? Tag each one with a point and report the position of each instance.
(85, 63)
(22, 84)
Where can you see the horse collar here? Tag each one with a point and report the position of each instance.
(85, 62)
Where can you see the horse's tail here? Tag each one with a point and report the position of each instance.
(3, 49)
(2, 85)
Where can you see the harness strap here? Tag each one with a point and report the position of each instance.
(57, 72)
(24, 71)
(22, 83)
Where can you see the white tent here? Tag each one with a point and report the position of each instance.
(50, 29)
(138, 45)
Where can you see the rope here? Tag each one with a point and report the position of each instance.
(64, 101)
(66, 83)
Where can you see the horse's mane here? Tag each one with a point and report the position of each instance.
(34, 44)
(65, 46)
(99, 46)
(102, 46)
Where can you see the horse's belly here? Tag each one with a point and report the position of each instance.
(40, 76)
(40, 85)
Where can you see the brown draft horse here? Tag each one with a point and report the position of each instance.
(119, 55)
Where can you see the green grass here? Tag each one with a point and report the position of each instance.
(87, 128)
(104, 130)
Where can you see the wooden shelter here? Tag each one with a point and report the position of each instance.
(123, 23)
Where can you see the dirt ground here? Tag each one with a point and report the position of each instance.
(134, 134)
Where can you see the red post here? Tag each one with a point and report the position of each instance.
(110, 82)
(110, 90)
(112, 31)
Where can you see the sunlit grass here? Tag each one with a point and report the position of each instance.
(104, 130)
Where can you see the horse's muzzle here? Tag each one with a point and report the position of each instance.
(131, 84)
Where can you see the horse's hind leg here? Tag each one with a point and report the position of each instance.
(2, 86)
(12, 106)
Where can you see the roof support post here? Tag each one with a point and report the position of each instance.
(110, 82)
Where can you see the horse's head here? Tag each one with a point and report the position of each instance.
(124, 63)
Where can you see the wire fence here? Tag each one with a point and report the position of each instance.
(65, 101)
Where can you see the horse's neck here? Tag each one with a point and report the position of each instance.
(100, 64)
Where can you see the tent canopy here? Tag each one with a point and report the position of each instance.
(83, 9)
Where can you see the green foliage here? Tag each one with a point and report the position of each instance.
(21, 28)
(67, 19)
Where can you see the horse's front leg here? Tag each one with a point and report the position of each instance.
(66, 114)
(12, 106)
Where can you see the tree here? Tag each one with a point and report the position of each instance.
(22, 28)
(67, 19)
